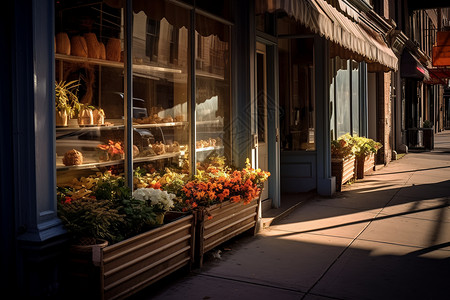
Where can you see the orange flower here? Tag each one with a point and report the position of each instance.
(235, 199)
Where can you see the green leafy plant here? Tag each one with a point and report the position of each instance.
(365, 146)
(106, 210)
(66, 98)
(90, 218)
(342, 147)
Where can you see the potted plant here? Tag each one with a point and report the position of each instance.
(66, 101)
(343, 160)
(138, 254)
(86, 115)
(160, 201)
(227, 203)
(365, 154)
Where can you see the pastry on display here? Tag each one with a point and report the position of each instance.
(113, 49)
(159, 148)
(168, 119)
(135, 151)
(78, 46)
(179, 118)
(92, 45)
(99, 116)
(147, 152)
(73, 158)
(62, 43)
(175, 147)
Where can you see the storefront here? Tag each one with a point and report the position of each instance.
(324, 55)
(162, 86)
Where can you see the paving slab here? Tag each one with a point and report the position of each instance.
(408, 231)
(371, 270)
(206, 287)
(283, 259)
(437, 209)
(333, 221)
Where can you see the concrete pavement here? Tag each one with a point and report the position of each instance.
(384, 237)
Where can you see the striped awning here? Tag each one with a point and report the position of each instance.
(350, 39)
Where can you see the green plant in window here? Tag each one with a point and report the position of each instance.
(365, 146)
(342, 147)
(66, 99)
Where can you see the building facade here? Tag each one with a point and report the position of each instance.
(180, 81)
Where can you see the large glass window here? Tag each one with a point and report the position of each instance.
(213, 105)
(345, 97)
(355, 97)
(89, 89)
(92, 122)
(161, 96)
(296, 94)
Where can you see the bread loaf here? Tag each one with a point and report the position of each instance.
(62, 43)
(102, 50)
(78, 46)
(92, 45)
(113, 49)
(73, 158)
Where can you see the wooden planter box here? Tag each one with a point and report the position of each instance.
(130, 265)
(343, 169)
(364, 164)
(221, 222)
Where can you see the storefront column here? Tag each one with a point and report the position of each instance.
(38, 230)
(326, 184)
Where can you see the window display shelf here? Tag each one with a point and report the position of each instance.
(168, 124)
(204, 149)
(137, 68)
(90, 163)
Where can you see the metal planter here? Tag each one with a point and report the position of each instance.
(343, 169)
(133, 264)
(221, 222)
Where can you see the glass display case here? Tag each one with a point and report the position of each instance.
(90, 73)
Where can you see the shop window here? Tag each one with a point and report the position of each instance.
(89, 54)
(161, 114)
(296, 94)
(89, 75)
(355, 97)
(345, 97)
(213, 105)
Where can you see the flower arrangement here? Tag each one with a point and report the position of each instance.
(101, 206)
(114, 150)
(159, 200)
(365, 146)
(342, 147)
(216, 185)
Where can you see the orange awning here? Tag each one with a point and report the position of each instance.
(441, 52)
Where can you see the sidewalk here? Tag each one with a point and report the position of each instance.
(384, 237)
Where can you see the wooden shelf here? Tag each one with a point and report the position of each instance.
(137, 68)
(90, 165)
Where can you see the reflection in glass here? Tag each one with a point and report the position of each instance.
(213, 105)
(160, 88)
(89, 43)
